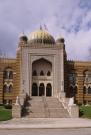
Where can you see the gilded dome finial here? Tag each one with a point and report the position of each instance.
(41, 27)
(45, 27)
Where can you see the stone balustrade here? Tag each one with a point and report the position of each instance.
(72, 108)
(17, 107)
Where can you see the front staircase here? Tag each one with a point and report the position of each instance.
(45, 107)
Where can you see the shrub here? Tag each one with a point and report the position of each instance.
(85, 111)
(8, 106)
(5, 114)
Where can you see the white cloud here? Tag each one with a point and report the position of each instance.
(68, 18)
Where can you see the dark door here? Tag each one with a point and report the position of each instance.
(49, 90)
(34, 89)
(41, 89)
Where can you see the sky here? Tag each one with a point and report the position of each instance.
(70, 19)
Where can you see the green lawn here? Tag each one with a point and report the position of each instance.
(5, 114)
(85, 111)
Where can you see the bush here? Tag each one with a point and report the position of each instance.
(1, 104)
(85, 111)
(8, 106)
(5, 114)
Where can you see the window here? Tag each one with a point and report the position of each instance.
(5, 88)
(34, 73)
(75, 90)
(89, 90)
(34, 89)
(72, 78)
(10, 102)
(71, 91)
(84, 90)
(48, 73)
(7, 101)
(11, 75)
(10, 88)
(8, 73)
(87, 77)
(41, 73)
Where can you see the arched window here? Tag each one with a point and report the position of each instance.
(5, 75)
(5, 88)
(10, 88)
(84, 90)
(48, 73)
(34, 89)
(8, 73)
(89, 90)
(71, 91)
(41, 73)
(72, 78)
(11, 75)
(48, 90)
(41, 89)
(87, 77)
(75, 90)
(34, 73)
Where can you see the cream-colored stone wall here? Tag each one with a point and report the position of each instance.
(53, 54)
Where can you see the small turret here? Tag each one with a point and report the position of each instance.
(23, 39)
(60, 40)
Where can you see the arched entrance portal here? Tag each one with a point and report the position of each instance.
(48, 90)
(34, 89)
(41, 89)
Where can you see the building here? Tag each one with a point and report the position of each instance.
(41, 68)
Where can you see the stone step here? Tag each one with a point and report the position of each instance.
(37, 110)
(54, 106)
(36, 99)
(49, 107)
(37, 104)
(53, 115)
(36, 115)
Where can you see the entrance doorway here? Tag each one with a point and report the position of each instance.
(41, 89)
(34, 89)
(49, 90)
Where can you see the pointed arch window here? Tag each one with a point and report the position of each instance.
(11, 75)
(41, 73)
(71, 91)
(34, 73)
(89, 90)
(10, 88)
(8, 73)
(84, 89)
(87, 77)
(75, 90)
(34, 89)
(6, 88)
(48, 73)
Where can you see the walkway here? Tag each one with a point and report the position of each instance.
(45, 123)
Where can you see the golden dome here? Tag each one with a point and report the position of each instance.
(41, 36)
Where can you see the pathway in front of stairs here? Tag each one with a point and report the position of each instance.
(46, 123)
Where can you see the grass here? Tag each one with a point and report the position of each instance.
(85, 111)
(5, 114)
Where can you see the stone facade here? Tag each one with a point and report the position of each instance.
(41, 68)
